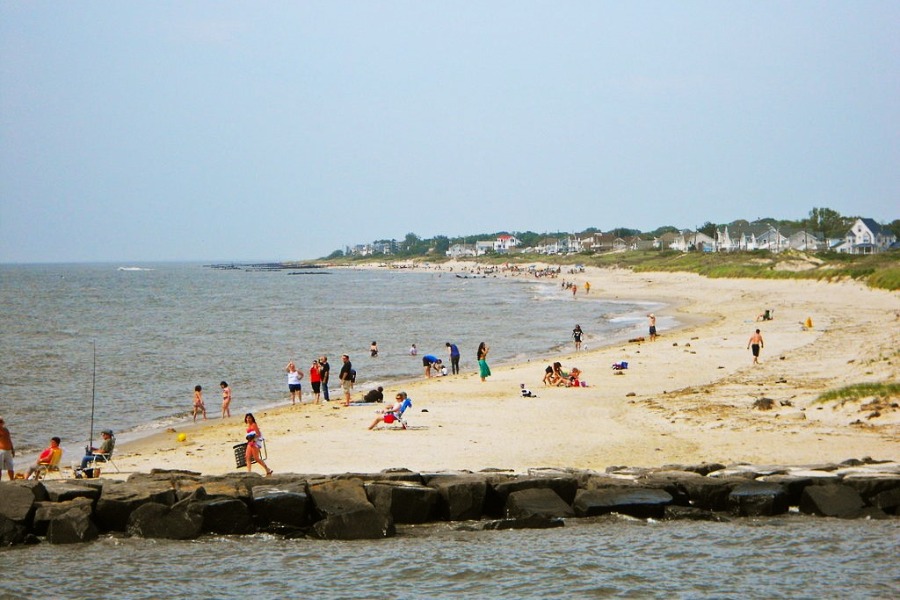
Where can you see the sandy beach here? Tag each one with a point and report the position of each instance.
(686, 398)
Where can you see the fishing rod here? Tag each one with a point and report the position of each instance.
(93, 395)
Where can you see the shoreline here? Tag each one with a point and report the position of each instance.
(692, 389)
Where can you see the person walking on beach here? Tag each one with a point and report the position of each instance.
(577, 334)
(294, 376)
(484, 371)
(453, 351)
(199, 407)
(255, 440)
(315, 380)
(587, 287)
(324, 372)
(755, 343)
(651, 319)
(226, 399)
(346, 377)
(7, 452)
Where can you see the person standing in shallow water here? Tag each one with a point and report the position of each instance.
(577, 334)
(484, 371)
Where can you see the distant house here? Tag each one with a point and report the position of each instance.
(689, 240)
(483, 247)
(462, 251)
(505, 242)
(805, 241)
(867, 237)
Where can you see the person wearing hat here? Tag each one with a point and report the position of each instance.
(105, 449)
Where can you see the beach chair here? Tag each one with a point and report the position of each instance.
(102, 460)
(51, 468)
(397, 415)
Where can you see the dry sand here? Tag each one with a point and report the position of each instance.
(686, 398)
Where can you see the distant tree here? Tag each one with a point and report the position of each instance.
(665, 229)
(335, 254)
(624, 232)
(441, 243)
(894, 227)
(708, 229)
(829, 222)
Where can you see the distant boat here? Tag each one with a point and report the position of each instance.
(134, 269)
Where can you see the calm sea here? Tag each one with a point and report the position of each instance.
(161, 330)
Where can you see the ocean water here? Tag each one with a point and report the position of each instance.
(163, 329)
(610, 557)
(156, 331)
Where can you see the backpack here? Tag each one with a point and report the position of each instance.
(352, 375)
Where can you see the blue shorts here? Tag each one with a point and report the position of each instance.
(295, 387)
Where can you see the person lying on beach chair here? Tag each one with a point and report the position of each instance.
(47, 462)
(395, 412)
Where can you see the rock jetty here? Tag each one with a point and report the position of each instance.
(172, 504)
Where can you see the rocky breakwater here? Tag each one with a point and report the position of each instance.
(185, 505)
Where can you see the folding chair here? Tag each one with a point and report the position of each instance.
(397, 415)
(44, 470)
(100, 460)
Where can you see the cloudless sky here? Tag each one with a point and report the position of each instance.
(200, 130)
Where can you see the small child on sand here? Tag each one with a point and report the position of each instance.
(199, 407)
(526, 393)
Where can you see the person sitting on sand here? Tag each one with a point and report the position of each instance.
(49, 456)
(574, 379)
(560, 377)
(389, 415)
(375, 395)
(548, 375)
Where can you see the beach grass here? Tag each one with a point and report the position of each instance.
(859, 391)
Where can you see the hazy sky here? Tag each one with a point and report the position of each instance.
(199, 130)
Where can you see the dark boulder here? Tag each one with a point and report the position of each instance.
(636, 502)
(832, 500)
(537, 502)
(160, 521)
(222, 516)
(63, 491)
(386, 475)
(46, 512)
(285, 504)
(408, 503)
(118, 500)
(701, 469)
(710, 493)
(794, 484)
(17, 502)
(74, 526)
(346, 513)
(11, 532)
(496, 501)
(870, 486)
(888, 501)
(462, 496)
(758, 499)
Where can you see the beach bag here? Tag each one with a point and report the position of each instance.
(389, 418)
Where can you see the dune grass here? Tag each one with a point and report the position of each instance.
(859, 391)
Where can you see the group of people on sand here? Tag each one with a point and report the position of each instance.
(555, 376)
(319, 376)
(199, 407)
(51, 456)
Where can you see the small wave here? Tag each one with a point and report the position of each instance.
(134, 269)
